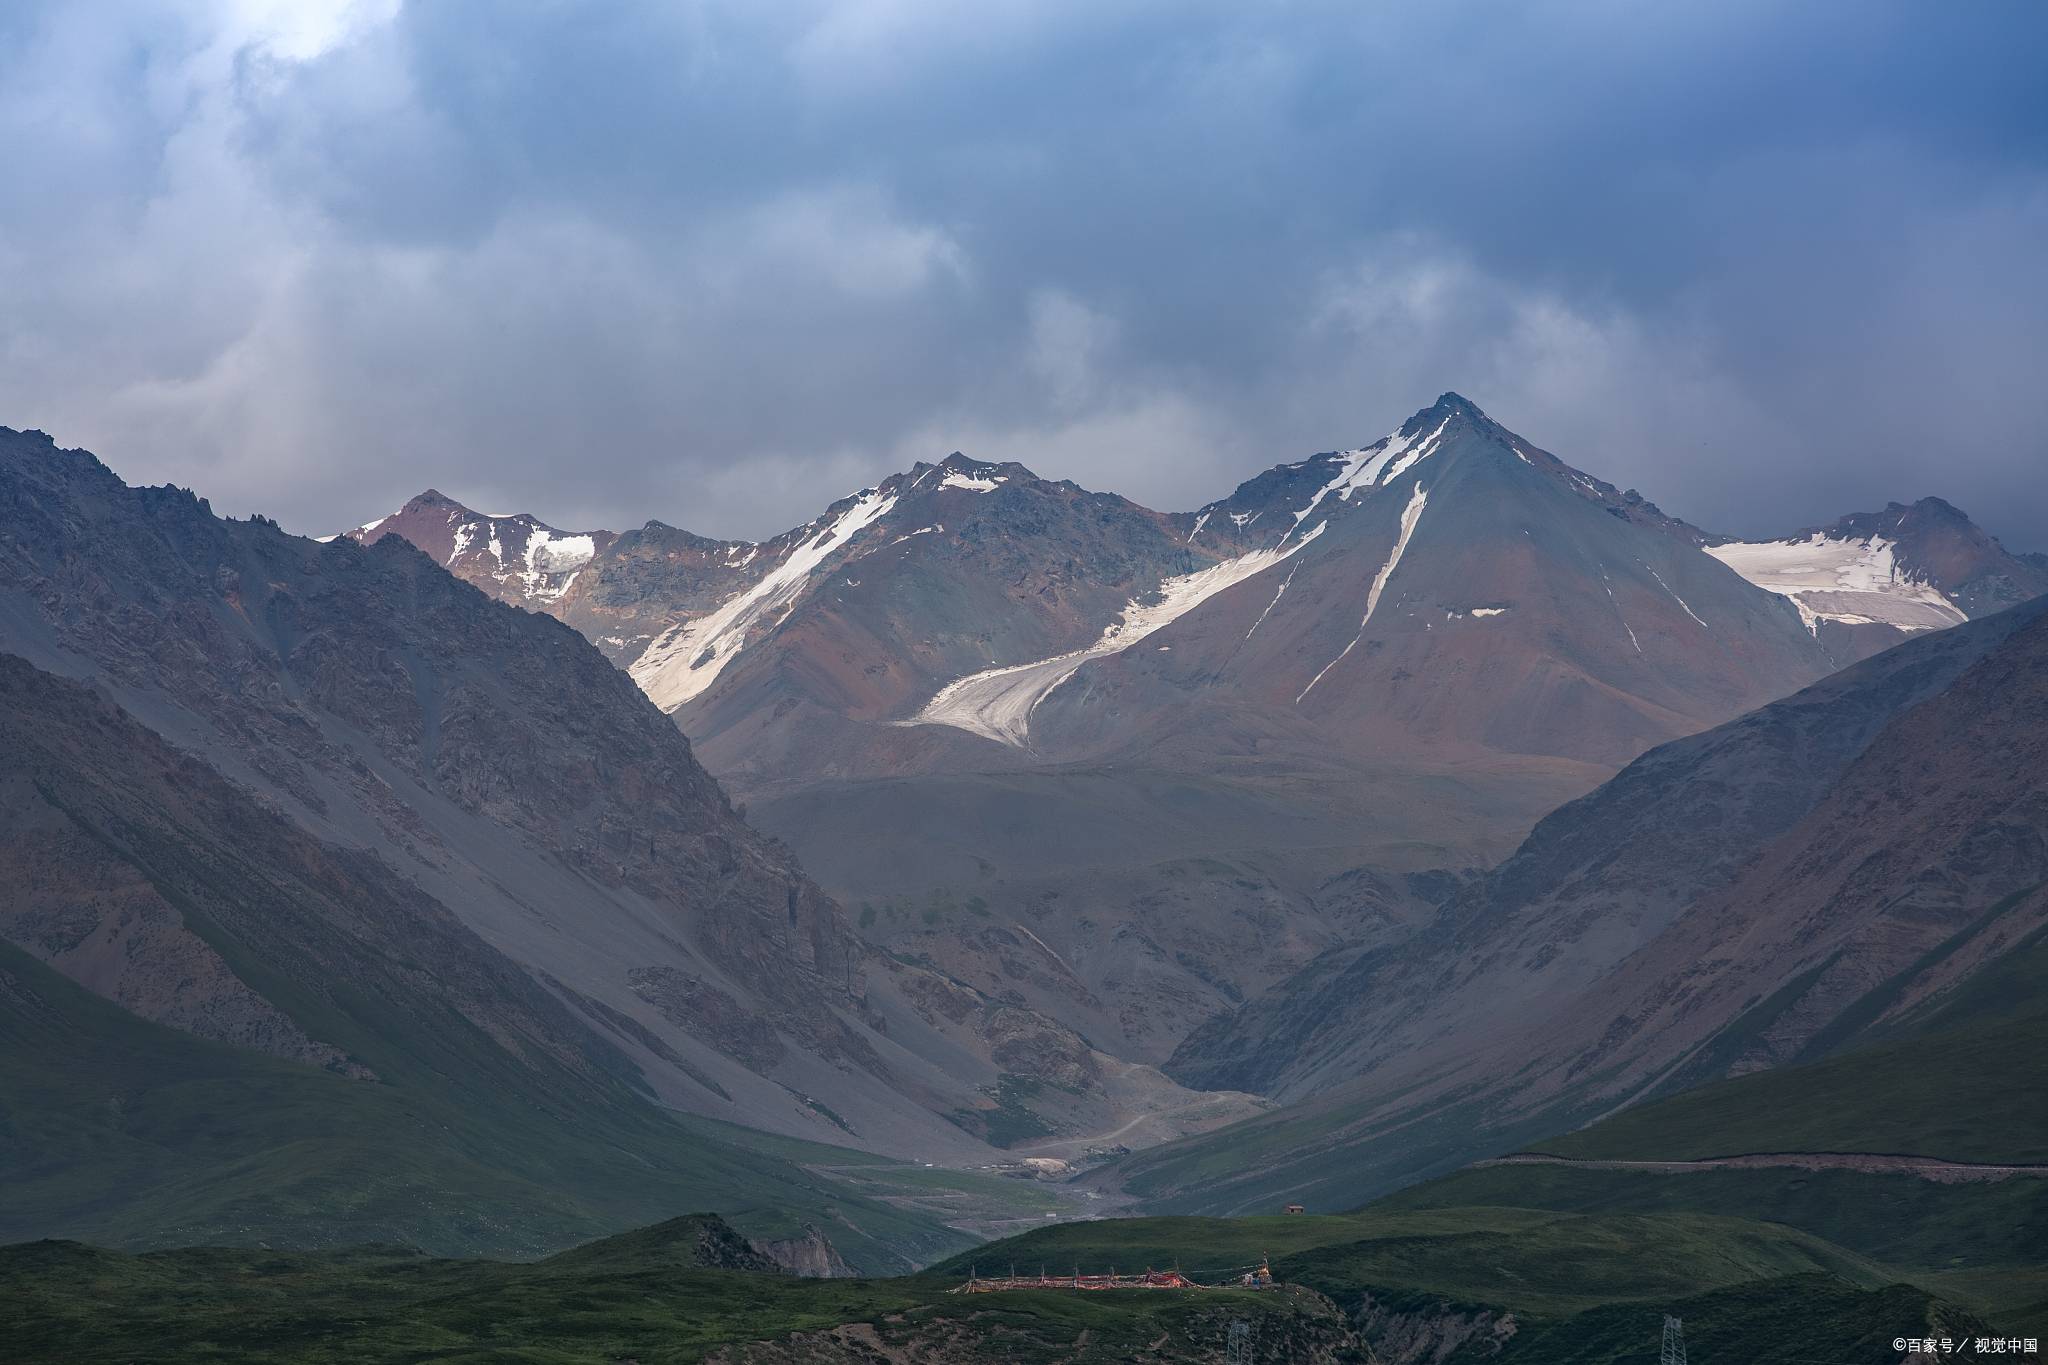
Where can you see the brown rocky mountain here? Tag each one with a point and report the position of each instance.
(1132, 769)
(1873, 578)
(1455, 590)
(1387, 661)
(1764, 892)
(517, 779)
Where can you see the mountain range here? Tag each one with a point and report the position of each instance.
(1135, 768)
(1127, 826)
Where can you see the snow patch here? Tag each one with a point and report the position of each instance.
(1674, 596)
(1280, 592)
(1617, 611)
(688, 658)
(1853, 582)
(1411, 515)
(1376, 465)
(997, 703)
(955, 479)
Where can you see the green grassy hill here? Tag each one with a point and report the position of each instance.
(1543, 1287)
(637, 1297)
(1521, 1260)
(125, 1133)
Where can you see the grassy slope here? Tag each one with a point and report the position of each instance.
(1970, 1083)
(616, 1301)
(1797, 1320)
(641, 1297)
(123, 1132)
(993, 1205)
(1967, 1080)
(1543, 1263)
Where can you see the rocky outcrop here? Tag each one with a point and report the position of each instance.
(809, 1254)
(1413, 1329)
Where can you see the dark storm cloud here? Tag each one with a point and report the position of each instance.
(720, 263)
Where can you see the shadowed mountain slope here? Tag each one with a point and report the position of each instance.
(1744, 898)
(501, 765)
(218, 1028)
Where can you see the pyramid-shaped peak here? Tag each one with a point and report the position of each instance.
(1446, 407)
(434, 500)
(1939, 507)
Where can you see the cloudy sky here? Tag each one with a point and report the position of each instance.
(719, 262)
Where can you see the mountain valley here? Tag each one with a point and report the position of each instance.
(1179, 848)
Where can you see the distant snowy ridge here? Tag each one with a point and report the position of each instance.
(1846, 581)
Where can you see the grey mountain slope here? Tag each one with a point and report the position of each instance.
(1732, 900)
(1485, 598)
(1175, 827)
(516, 776)
(530, 787)
(419, 1087)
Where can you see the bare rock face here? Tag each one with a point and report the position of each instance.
(810, 1255)
(1408, 1332)
(78, 905)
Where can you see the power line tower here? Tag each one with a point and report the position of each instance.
(1239, 1349)
(1674, 1342)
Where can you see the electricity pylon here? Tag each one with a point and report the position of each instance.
(1674, 1342)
